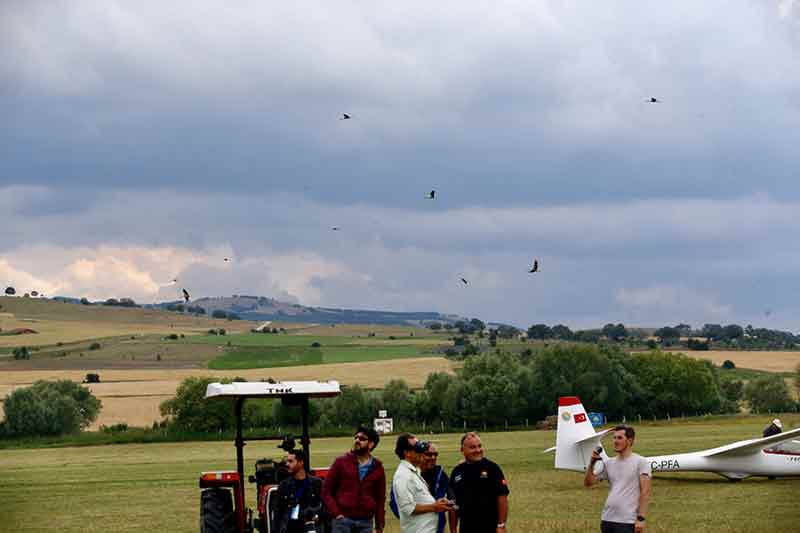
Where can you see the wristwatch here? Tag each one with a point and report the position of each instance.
(640, 518)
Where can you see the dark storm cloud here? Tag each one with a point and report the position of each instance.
(137, 129)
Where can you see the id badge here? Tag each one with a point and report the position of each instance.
(295, 512)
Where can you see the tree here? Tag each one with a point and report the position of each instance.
(477, 325)
(50, 408)
(219, 313)
(615, 332)
(684, 330)
(190, 411)
(768, 394)
(797, 379)
(11, 291)
(507, 332)
(85, 301)
(435, 326)
(732, 332)
(562, 332)
(540, 331)
(111, 302)
(712, 332)
(728, 364)
(398, 400)
(668, 335)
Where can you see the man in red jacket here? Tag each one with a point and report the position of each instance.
(354, 491)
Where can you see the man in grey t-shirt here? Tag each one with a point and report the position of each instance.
(628, 476)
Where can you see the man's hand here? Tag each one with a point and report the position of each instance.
(595, 456)
(638, 527)
(441, 505)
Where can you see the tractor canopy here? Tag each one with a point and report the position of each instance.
(281, 389)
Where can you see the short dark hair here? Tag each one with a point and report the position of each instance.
(402, 445)
(299, 455)
(629, 432)
(372, 435)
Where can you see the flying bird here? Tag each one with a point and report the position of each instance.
(345, 116)
(186, 296)
(431, 195)
(535, 267)
(226, 259)
(465, 282)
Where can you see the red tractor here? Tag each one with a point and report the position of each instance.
(222, 502)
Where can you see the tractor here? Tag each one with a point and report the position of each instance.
(222, 501)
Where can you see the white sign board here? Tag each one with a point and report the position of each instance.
(383, 425)
(382, 413)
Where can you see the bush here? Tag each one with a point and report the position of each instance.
(694, 344)
(172, 336)
(768, 394)
(92, 378)
(95, 346)
(114, 429)
(728, 364)
(316, 344)
(211, 332)
(50, 408)
(21, 353)
(221, 331)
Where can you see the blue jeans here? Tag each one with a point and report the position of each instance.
(352, 525)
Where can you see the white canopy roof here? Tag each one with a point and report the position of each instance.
(313, 389)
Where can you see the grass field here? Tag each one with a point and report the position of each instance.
(153, 487)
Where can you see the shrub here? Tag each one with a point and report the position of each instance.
(221, 331)
(21, 353)
(728, 364)
(95, 346)
(172, 336)
(211, 332)
(92, 378)
(316, 344)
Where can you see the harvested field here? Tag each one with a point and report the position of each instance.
(769, 361)
(133, 396)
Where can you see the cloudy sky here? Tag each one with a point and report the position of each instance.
(140, 142)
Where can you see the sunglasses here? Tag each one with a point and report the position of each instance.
(431, 454)
(361, 438)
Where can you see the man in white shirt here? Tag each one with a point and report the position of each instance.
(417, 508)
(628, 476)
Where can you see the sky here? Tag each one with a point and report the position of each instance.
(142, 142)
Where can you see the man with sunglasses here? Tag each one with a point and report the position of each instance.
(354, 491)
(437, 480)
(417, 509)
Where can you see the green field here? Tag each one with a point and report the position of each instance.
(153, 487)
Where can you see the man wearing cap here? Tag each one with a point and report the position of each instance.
(418, 510)
(773, 429)
(481, 491)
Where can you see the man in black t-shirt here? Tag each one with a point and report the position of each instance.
(480, 490)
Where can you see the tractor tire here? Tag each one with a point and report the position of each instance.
(216, 511)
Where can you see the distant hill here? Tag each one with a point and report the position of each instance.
(263, 308)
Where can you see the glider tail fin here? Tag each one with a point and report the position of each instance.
(575, 436)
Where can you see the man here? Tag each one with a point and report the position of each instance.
(773, 429)
(438, 484)
(480, 489)
(354, 492)
(628, 476)
(417, 509)
(299, 497)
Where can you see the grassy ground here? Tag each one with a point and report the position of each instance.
(154, 487)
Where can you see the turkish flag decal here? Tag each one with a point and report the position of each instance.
(580, 417)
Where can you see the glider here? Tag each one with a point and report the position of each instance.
(465, 282)
(431, 195)
(773, 456)
(535, 267)
(653, 100)
(186, 295)
(345, 116)
(336, 228)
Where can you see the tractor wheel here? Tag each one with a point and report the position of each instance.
(216, 511)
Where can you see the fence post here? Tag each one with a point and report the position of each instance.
(526, 422)
(442, 423)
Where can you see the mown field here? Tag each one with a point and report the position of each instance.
(153, 487)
